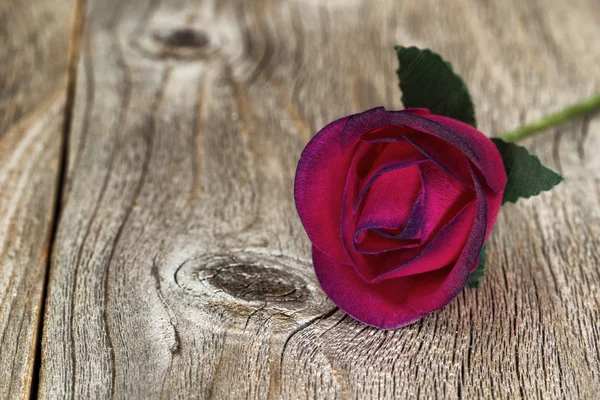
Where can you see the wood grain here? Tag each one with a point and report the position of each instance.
(181, 269)
(34, 49)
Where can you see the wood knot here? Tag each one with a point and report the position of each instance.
(244, 281)
(253, 281)
(182, 37)
(179, 42)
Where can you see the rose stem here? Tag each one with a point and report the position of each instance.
(573, 111)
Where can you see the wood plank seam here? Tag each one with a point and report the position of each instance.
(77, 30)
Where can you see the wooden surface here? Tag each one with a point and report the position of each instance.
(180, 268)
(34, 54)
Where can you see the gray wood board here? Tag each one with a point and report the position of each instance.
(34, 52)
(181, 269)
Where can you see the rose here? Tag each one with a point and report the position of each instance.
(398, 206)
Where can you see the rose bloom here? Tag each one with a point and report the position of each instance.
(397, 205)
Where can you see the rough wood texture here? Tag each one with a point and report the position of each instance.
(34, 48)
(181, 269)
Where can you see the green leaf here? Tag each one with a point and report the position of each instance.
(526, 175)
(478, 274)
(426, 80)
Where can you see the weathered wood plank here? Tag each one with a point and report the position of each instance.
(181, 269)
(34, 49)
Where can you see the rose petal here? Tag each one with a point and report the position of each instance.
(494, 200)
(444, 198)
(373, 241)
(362, 123)
(418, 110)
(369, 239)
(380, 305)
(434, 290)
(469, 141)
(447, 158)
(449, 214)
(319, 188)
(442, 251)
(490, 162)
(382, 134)
(414, 227)
(348, 221)
(390, 198)
(374, 159)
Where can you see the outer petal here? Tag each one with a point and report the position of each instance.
(382, 305)
(490, 162)
(494, 201)
(418, 110)
(319, 188)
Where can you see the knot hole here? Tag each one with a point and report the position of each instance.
(185, 37)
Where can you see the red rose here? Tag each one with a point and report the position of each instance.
(397, 205)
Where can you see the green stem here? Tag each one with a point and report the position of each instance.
(573, 111)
